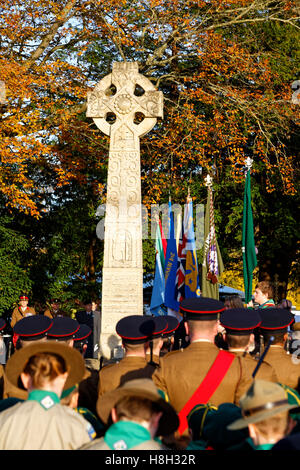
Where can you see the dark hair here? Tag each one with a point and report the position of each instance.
(234, 301)
(286, 304)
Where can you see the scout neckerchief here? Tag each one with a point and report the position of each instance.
(125, 435)
(207, 387)
(268, 304)
(259, 447)
(45, 398)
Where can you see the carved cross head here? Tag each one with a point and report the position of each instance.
(125, 97)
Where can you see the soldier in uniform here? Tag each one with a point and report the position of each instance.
(239, 324)
(275, 322)
(54, 310)
(46, 368)
(63, 329)
(156, 342)
(186, 375)
(92, 319)
(136, 332)
(136, 414)
(28, 330)
(168, 335)
(69, 331)
(22, 310)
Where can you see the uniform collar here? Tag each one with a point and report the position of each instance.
(124, 435)
(46, 398)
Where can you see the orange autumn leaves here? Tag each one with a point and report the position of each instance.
(220, 98)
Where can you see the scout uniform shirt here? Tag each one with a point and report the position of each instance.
(125, 435)
(42, 423)
(19, 313)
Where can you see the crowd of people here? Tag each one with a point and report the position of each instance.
(225, 377)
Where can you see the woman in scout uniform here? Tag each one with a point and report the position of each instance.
(138, 413)
(22, 310)
(41, 422)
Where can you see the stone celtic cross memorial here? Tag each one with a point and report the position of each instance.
(125, 106)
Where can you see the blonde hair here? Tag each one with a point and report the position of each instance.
(276, 425)
(44, 367)
(266, 288)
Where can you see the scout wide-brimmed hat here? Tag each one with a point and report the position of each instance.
(74, 361)
(261, 401)
(142, 388)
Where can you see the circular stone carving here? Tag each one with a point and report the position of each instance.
(123, 103)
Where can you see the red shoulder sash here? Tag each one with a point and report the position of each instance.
(207, 387)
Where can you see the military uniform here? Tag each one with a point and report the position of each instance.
(287, 367)
(131, 367)
(18, 314)
(242, 322)
(181, 372)
(133, 329)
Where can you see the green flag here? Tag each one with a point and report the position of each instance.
(248, 245)
(212, 266)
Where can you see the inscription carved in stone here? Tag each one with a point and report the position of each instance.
(113, 105)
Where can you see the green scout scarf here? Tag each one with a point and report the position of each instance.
(260, 447)
(45, 398)
(125, 435)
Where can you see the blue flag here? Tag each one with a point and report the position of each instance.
(192, 288)
(158, 291)
(171, 267)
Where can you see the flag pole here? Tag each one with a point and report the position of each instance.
(248, 243)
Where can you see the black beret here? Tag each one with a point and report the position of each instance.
(33, 328)
(63, 328)
(240, 321)
(82, 333)
(2, 324)
(275, 319)
(201, 308)
(173, 324)
(135, 328)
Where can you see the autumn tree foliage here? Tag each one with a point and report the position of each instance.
(225, 68)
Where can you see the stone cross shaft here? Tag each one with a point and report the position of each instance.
(125, 106)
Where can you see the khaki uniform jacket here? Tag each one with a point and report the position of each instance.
(287, 371)
(18, 314)
(100, 444)
(265, 371)
(112, 375)
(181, 372)
(51, 314)
(28, 426)
(9, 390)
